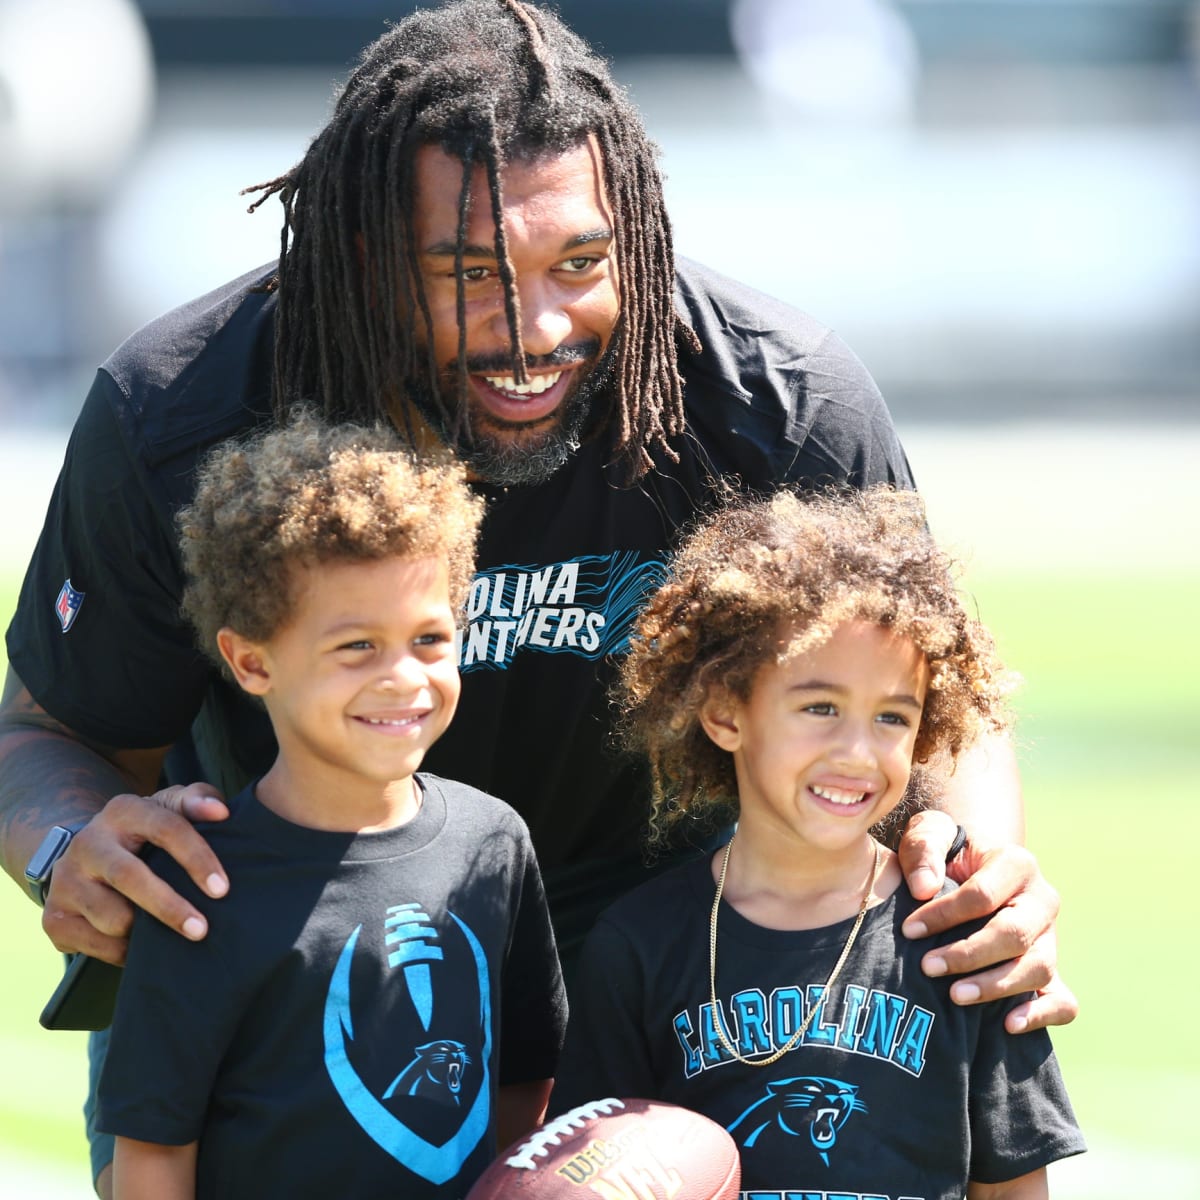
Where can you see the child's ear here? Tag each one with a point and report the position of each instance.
(719, 719)
(246, 660)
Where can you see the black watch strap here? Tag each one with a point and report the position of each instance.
(956, 846)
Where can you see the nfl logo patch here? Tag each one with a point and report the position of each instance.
(67, 605)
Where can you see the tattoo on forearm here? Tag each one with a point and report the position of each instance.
(46, 775)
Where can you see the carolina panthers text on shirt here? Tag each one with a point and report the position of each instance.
(865, 1021)
(584, 606)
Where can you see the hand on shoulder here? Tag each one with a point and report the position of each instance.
(1015, 952)
(101, 878)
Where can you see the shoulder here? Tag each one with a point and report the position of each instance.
(477, 812)
(904, 905)
(677, 890)
(747, 337)
(234, 840)
(651, 932)
(773, 395)
(725, 312)
(195, 375)
(162, 354)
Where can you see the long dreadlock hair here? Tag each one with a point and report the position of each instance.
(488, 81)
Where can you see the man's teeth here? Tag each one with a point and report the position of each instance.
(837, 796)
(535, 387)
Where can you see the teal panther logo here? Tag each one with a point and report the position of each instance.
(435, 1073)
(811, 1106)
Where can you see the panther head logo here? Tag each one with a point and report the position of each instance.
(811, 1105)
(435, 1072)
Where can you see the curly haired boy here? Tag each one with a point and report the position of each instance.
(384, 1000)
(801, 656)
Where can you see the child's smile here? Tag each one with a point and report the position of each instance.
(838, 797)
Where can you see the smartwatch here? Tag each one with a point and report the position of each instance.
(53, 847)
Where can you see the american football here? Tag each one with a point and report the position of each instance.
(618, 1150)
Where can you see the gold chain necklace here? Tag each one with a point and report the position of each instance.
(718, 1020)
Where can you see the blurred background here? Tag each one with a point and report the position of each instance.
(995, 202)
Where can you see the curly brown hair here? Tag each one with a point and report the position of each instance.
(308, 493)
(760, 569)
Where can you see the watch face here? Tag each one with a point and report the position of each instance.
(48, 853)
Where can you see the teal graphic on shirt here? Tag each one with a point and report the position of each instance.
(809, 1107)
(584, 606)
(435, 1069)
(436, 1072)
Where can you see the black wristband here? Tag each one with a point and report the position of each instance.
(956, 846)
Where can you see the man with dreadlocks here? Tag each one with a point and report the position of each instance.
(475, 248)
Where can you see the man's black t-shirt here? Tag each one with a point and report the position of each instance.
(772, 397)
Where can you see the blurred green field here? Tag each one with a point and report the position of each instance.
(1110, 760)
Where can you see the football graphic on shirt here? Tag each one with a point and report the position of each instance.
(432, 1108)
(608, 1148)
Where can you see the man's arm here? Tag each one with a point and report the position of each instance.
(148, 1171)
(50, 776)
(1016, 951)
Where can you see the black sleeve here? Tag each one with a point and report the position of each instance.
(124, 671)
(605, 1052)
(534, 1011)
(839, 418)
(774, 396)
(1021, 1118)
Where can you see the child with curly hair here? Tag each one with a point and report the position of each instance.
(381, 1001)
(801, 657)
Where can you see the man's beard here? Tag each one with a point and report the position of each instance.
(528, 454)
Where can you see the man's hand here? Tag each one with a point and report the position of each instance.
(1015, 952)
(100, 879)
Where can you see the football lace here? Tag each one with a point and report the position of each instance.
(539, 1143)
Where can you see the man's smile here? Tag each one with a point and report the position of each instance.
(509, 402)
(535, 387)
